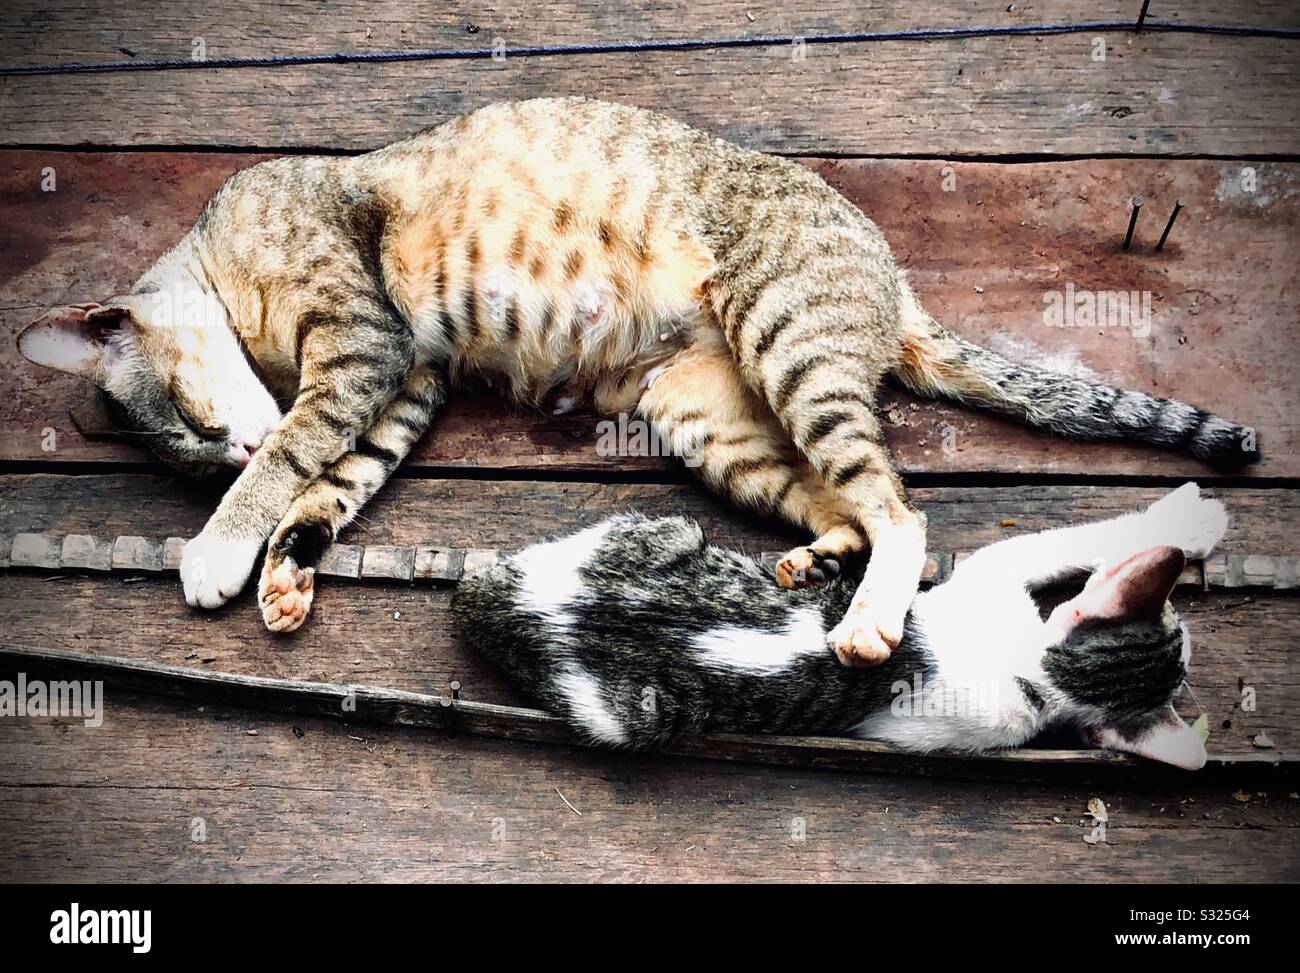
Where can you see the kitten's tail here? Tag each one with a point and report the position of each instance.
(940, 364)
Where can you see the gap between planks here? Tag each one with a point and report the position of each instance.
(130, 554)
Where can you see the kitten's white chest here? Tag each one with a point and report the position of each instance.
(982, 639)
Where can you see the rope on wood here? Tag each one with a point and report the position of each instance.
(638, 47)
(131, 554)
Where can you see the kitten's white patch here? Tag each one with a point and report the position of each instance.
(549, 579)
(974, 675)
(763, 653)
(587, 707)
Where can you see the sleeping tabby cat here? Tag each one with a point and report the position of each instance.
(636, 630)
(562, 249)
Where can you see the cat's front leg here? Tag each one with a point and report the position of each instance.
(288, 583)
(354, 360)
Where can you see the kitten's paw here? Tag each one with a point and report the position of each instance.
(214, 568)
(1189, 521)
(805, 568)
(863, 639)
(285, 594)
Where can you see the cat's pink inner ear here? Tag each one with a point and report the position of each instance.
(66, 339)
(1171, 741)
(1134, 589)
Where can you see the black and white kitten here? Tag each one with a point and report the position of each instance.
(636, 630)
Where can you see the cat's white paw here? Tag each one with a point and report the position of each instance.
(865, 637)
(1189, 521)
(214, 568)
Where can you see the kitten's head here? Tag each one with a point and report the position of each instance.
(1121, 658)
(173, 372)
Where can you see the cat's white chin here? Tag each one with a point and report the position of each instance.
(214, 569)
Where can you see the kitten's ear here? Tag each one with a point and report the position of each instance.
(1170, 741)
(74, 339)
(1134, 589)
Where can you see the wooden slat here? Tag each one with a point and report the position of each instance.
(56, 31)
(1155, 93)
(119, 804)
(400, 635)
(510, 514)
(387, 707)
(982, 257)
(132, 554)
(60, 31)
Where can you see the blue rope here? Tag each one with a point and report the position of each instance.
(635, 47)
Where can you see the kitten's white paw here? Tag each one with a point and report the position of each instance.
(1187, 520)
(214, 569)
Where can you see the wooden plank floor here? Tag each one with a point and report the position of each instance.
(931, 140)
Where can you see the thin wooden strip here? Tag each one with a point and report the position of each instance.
(438, 564)
(386, 561)
(137, 554)
(341, 561)
(130, 553)
(36, 551)
(83, 552)
(394, 707)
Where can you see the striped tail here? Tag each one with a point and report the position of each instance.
(939, 364)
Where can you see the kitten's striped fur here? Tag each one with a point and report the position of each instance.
(556, 248)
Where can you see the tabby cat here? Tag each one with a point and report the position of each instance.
(636, 630)
(563, 248)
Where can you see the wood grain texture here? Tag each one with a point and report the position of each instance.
(400, 636)
(977, 96)
(982, 256)
(454, 715)
(310, 800)
(59, 31)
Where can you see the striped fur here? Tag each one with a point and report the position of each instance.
(572, 253)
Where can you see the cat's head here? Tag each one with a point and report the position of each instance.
(173, 373)
(1120, 657)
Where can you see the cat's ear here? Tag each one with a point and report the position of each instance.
(1132, 590)
(1169, 741)
(74, 338)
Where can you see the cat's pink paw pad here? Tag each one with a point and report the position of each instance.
(805, 568)
(286, 594)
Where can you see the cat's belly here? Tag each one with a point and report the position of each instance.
(584, 341)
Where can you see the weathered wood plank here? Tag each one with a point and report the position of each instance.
(983, 256)
(466, 514)
(977, 96)
(44, 32)
(120, 803)
(379, 706)
(401, 636)
(61, 31)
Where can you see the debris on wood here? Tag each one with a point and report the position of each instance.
(1097, 808)
(567, 804)
(1262, 741)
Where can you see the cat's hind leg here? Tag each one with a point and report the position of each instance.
(812, 318)
(332, 501)
(703, 410)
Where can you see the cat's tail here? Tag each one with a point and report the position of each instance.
(939, 364)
